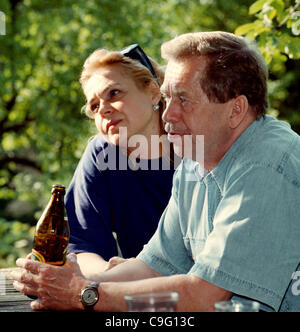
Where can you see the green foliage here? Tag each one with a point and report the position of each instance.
(276, 29)
(18, 241)
(42, 130)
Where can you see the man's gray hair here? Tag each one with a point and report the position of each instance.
(234, 66)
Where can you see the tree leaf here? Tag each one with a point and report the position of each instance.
(256, 7)
(296, 28)
(245, 28)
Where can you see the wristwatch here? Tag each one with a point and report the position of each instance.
(89, 296)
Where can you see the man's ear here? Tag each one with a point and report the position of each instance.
(238, 111)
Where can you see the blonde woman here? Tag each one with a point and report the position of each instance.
(119, 187)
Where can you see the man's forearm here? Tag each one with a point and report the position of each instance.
(134, 276)
(195, 294)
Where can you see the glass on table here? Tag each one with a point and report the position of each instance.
(237, 306)
(152, 302)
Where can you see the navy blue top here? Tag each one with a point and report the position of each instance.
(106, 194)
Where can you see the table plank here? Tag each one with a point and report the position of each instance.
(10, 299)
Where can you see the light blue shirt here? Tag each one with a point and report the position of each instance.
(238, 226)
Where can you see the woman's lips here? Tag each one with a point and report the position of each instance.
(112, 124)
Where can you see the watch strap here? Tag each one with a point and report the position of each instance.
(94, 284)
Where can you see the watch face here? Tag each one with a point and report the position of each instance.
(90, 296)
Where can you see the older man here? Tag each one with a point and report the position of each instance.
(232, 226)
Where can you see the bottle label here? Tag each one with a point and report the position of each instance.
(36, 256)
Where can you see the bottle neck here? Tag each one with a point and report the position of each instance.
(58, 196)
(57, 202)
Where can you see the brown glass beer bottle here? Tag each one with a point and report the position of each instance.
(52, 232)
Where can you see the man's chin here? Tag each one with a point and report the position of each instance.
(186, 151)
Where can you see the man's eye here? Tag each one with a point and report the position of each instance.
(183, 100)
(186, 104)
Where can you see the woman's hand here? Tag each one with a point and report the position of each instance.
(56, 287)
(116, 260)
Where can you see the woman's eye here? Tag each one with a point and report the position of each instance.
(113, 93)
(94, 107)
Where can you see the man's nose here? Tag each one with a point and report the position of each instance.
(171, 113)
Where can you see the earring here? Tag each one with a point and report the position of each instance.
(155, 107)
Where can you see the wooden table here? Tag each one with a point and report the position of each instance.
(10, 299)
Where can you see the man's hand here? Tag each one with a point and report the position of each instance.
(56, 287)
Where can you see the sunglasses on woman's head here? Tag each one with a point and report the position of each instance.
(135, 52)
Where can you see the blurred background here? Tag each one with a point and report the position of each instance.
(43, 44)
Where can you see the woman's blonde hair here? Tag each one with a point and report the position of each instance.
(139, 73)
